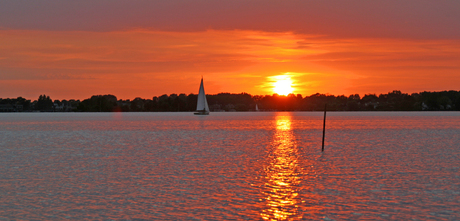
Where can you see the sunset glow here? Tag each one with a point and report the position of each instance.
(283, 86)
(230, 110)
(151, 57)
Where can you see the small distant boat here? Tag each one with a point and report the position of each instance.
(257, 108)
(202, 104)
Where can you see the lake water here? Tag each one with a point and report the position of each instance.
(230, 166)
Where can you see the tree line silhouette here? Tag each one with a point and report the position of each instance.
(392, 101)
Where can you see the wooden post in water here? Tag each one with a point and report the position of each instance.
(324, 126)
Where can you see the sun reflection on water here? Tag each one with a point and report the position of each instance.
(283, 175)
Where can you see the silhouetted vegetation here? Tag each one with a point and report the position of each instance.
(14, 105)
(44, 103)
(393, 101)
(98, 103)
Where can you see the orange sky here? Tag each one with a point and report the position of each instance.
(146, 60)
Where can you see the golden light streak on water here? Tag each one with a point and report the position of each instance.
(283, 175)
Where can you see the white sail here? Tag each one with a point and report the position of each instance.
(202, 103)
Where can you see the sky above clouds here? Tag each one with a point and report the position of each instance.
(75, 49)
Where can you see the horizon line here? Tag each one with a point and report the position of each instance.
(303, 96)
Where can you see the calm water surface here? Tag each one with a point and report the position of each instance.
(230, 166)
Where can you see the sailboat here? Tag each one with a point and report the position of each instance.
(202, 105)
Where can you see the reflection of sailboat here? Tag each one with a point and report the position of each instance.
(202, 105)
(283, 176)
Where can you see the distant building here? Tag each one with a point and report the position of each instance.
(11, 108)
(59, 107)
(216, 108)
(230, 107)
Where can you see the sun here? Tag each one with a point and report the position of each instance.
(283, 86)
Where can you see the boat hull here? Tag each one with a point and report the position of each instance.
(201, 113)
